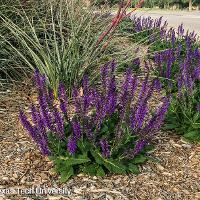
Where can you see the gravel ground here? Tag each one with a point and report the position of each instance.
(23, 171)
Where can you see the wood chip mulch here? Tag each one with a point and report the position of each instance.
(23, 171)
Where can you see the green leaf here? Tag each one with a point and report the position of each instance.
(100, 172)
(196, 117)
(70, 161)
(96, 156)
(90, 169)
(104, 129)
(170, 126)
(133, 168)
(196, 125)
(84, 146)
(193, 136)
(148, 148)
(66, 174)
(112, 165)
(139, 159)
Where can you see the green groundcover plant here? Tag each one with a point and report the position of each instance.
(110, 129)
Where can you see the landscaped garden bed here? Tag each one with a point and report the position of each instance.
(103, 122)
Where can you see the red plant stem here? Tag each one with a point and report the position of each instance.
(119, 16)
(102, 36)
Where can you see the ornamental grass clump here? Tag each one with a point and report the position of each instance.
(110, 129)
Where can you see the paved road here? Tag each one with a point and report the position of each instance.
(191, 20)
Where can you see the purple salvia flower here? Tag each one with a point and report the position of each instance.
(180, 85)
(27, 125)
(39, 80)
(144, 89)
(187, 79)
(100, 112)
(157, 84)
(157, 120)
(50, 97)
(34, 114)
(180, 30)
(40, 136)
(45, 111)
(196, 73)
(138, 119)
(136, 62)
(179, 51)
(43, 145)
(159, 21)
(72, 145)
(88, 131)
(197, 53)
(77, 101)
(76, 129)
(133, 86)
(169, 68)
(162, 33)
(139, 146)
(43, 99)
(125, 91)
(105, 148)
(63, 99)
(173, 37)
(59, 123)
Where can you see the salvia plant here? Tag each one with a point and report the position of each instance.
(110, 130)
(144, 29)
(183, 115)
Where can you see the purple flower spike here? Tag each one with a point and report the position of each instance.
(157, 120)
(139, 146)
(27, 125)
(197, 73)
(138, 120)
(39, 80)
(124, 98)
(76, 129)
(77, 101)
(157, 84)
(43, 144)
(59, 123)
(180, 30)
(50, 97)
(72, 145)
(45, 111)
(136, 62)
(105, 148)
